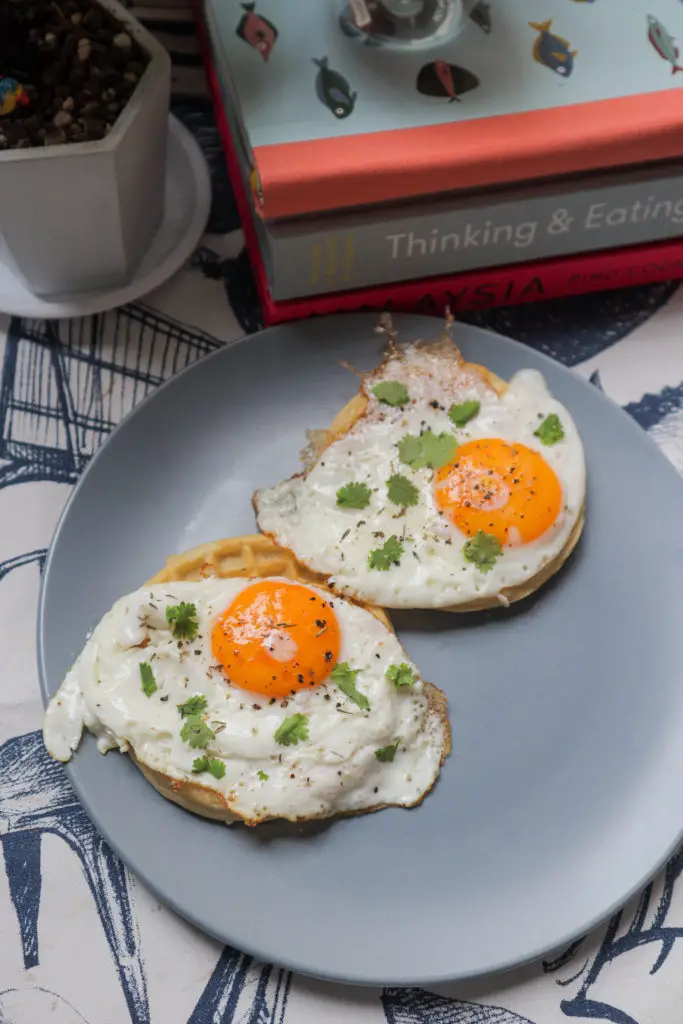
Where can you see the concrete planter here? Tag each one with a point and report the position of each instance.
(79, 217)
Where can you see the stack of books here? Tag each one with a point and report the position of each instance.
(537, 154)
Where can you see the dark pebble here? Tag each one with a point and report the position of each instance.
(77, 77)
(111, 79)
(55, 136)
(94, 128)
(76, 92)
(93, 18)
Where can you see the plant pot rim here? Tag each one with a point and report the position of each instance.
(157, 68)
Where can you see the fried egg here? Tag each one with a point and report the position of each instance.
(276, 698)
(446, 487)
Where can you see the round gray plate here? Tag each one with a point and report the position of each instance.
(563, 793)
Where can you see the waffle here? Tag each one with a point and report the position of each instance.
(355, 409)
(251, 556)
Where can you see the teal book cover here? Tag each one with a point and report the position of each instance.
(523, 91)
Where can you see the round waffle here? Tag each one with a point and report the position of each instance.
(250, 557)
(355, 409)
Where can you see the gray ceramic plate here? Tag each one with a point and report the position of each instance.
(563, 793)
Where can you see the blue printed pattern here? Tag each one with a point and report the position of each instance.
(649, 925)
(63, 387)
(36, 798)
(414, 1006)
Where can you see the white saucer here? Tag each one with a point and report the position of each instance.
(188, 201)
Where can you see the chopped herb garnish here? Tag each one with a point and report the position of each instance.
(391, 392)
(193, 705)
(389, 554)
(551, 430)
(147, 679)
(354, 496)
(209, 764)
(387, 754)
(401, 491)
(262, 775)
(196, 732)
(427, 449)
(293, 729)
(182, 618)
(482, 550)
(400, 675)
(463, 412)
(343, 676)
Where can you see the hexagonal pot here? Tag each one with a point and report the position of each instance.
(80, 216)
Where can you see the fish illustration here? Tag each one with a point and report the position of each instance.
(552, 51)
(257, 31)
(663, 43)
(443, 79)
(12, 95)
(333, 90)
(481, 15)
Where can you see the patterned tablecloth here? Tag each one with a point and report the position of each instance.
(80, 939)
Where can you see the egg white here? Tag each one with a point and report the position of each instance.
(334, 771)
(302, 513)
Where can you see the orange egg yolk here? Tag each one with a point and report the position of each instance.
(507, 490)
(276, 638)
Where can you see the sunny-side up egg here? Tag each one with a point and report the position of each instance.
(443, 493)
(287, 702)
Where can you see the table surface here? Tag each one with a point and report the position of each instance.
(82, 940)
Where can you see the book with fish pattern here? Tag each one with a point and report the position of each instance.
(505, 286)
(333, 117)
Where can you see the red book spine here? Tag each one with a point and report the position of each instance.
(477, 289)
(501, 286)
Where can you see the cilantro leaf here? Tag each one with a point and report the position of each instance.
(551, 430)
(428, 449)
(182, 618)
(354, 496)
(216, 767)
(402, 491)
(147, 679)
(387, 754)
(463, 412)
(193, 705)
(410, 450)
(343, 676)
(196, 732)
(209, 764)
(400, 675)
(389, 554)
(262, 775)
(482, 550)
(293, 729)
(391, 392)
